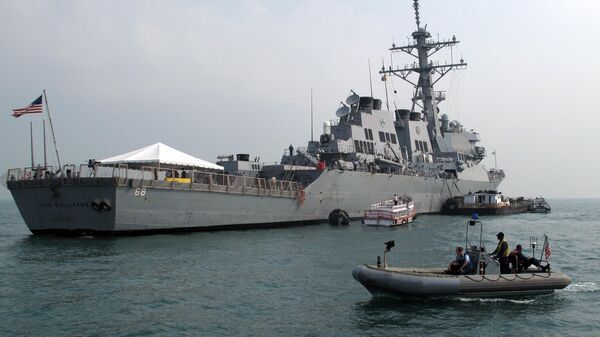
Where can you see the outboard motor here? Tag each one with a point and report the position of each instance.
(339, 217)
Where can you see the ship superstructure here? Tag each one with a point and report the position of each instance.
(368, 153)
(415, 141)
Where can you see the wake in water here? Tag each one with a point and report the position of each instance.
(584, 287)
(494, 300)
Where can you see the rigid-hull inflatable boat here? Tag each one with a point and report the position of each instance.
(434, 282)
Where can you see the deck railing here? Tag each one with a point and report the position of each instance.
(153, 177)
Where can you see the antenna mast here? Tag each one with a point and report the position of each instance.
(52, 129)
(31, 141)
(384, 79)
(311, 115)
(370, 78)
(44, 132)
(425, 97)
(416, 7)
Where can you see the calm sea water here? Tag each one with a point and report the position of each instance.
(284, 282)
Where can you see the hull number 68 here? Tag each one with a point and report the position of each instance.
(140, 192)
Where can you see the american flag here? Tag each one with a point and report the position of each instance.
(34, 107)
(547, 251)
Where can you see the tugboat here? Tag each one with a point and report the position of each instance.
(485, 280)
(389, 213)
(540, 205)
(489, 202)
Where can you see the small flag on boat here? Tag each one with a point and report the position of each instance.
(547, 250)
(34, 107)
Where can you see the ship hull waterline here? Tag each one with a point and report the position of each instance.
(63, 208)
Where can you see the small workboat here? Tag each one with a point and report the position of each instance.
(391, 212)
(540, 205)
(485, 203)
(484, 281)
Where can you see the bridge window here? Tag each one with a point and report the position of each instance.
(426, 147)
(393, 138)
(382, 136)
(370, 134)
(366, 134)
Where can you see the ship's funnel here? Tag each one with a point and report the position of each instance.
(402, 114)
(415, 116)
(376, 104)
(366, 104)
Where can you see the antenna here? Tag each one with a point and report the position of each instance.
(342, 111)
(31, 138)
(384, 79)
(352, 99)
(51, 128)
(370, 78)
(429, 73)
(44, 133)
(311, 115)
(416, 7)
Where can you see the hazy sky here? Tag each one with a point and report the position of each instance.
(224, 77)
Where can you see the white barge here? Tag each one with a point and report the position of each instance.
(390, 213)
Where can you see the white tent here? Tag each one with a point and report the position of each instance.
(161, 155)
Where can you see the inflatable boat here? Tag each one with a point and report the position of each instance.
(484, 280)
(434, 282)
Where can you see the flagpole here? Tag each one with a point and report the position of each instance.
(31, 139)
(544, 247)
(52, 129)
(45, 161)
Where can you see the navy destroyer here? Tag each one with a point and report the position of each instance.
(368, 153)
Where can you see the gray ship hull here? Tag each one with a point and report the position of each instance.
(103, 206)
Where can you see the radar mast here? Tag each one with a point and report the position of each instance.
(422, 47)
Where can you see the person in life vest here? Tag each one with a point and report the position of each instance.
(461, 264)
(502, 252)
(522, 262)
